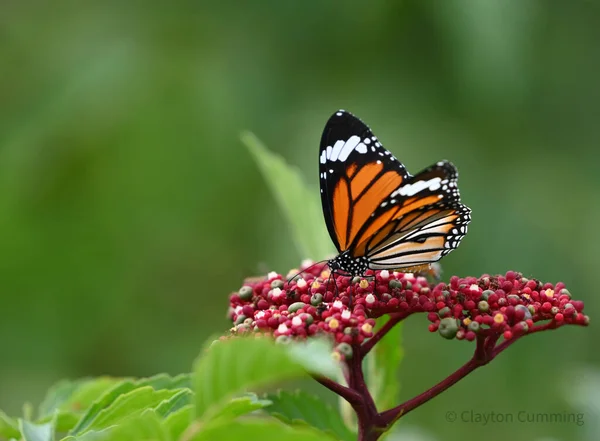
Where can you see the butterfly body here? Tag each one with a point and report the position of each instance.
(377, 214)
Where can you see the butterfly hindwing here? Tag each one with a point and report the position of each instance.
(426, 220)
(356, 174)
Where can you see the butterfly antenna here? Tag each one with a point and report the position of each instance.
(304, 270)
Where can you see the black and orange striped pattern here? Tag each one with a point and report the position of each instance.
(377, 214)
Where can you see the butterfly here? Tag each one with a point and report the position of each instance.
(378, 215)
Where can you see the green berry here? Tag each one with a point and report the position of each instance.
(277, 284)
(345, 349)
(245, 293)
(316, 299)
(296, 306)
(448, 327)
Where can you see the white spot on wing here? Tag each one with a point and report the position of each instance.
(337, 148)
(361, 148)
(412, 189)
(348, 148)
(323, 157)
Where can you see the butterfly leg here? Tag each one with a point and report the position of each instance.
(331, 278)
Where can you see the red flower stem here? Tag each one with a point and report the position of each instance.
(350, 395)
(367, 413)
(392, 321)
(485, 352)
(388, 417)
(479, 353)
(358, 395)
(358, 383)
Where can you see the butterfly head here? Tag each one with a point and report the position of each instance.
(345, 263)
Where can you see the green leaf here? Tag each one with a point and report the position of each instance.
(9, 428)
(76, 396)
(36, 432)
(300, 205)
(129, 397)
(146, 426)
(64, 421)
(241, 406)
(164, 381)
(383, 364)
(180, 399)
(315, 356)
(57, 395)
(303, 408)
(264, 430)
(128, 404)
(103, 402)
(232, 366)
(178, 421)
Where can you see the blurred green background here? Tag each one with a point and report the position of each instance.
(130, 209)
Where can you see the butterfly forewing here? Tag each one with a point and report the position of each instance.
(357, 173)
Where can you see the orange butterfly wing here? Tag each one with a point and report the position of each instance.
(424, 220)
(357, 174)
(375, 209)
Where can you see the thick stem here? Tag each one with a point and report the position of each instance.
(368, 411)
(350, 395)
(358, 395)
(365, 434)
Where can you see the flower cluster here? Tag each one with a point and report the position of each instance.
(345, 307)
(304, 307)
(509, 305)
(493, 311)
